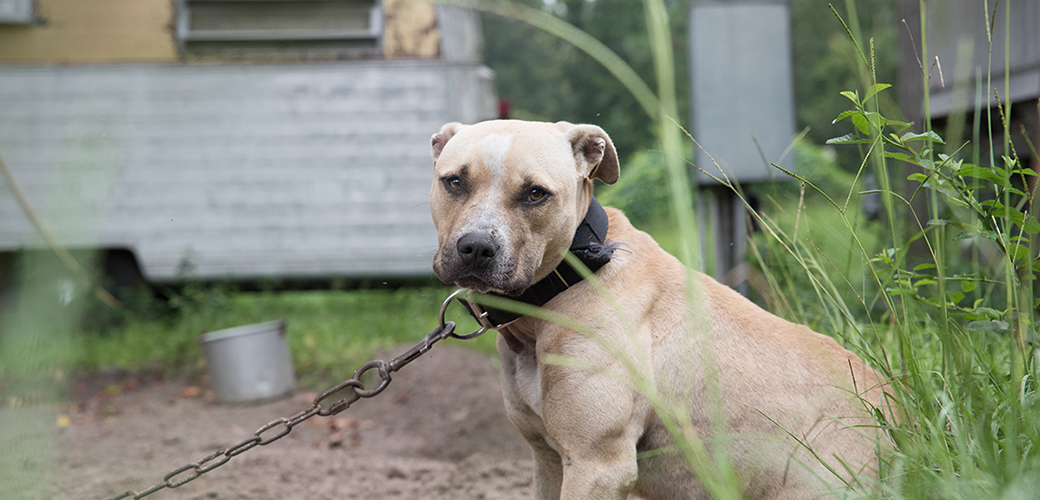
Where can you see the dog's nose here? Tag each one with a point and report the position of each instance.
(477, 250)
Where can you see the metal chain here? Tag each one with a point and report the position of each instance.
(281, 427)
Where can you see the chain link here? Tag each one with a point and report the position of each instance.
(353, 389)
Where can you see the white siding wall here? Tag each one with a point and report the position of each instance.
(293, 170)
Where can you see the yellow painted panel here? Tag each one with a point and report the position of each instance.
(93, 31)
(410, 29)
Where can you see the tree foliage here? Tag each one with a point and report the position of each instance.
(547, 79)
(824, 59)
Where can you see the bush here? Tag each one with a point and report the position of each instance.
(640, 191)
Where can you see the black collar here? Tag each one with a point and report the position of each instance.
(589, 246)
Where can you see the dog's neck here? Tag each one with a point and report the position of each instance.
(589, 245)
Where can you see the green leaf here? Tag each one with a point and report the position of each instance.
(910, 136)
(848, 139)
(845, 115)
(993, 175)
(861, 123)
(919, 177)
(899, 123)
(1018, 252)
(900, 156)
(852, 96)
(901, 291)
(989, 235)
(1030, 225)
(993, 326)
(952, 196)
(955, 297)
(993, 313)
(968, 286)
(885, 256)
(874, 89)
(930, 302)
(950, 161)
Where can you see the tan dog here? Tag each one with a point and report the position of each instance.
(507, 200)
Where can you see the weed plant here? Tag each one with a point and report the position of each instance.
(954, 332)
(944, 305)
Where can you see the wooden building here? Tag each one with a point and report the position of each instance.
(234, 139)
(961, 80)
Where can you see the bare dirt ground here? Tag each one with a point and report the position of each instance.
(439, 431)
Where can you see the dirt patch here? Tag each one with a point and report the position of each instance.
(439, 431)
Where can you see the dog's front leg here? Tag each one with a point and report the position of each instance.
(548, 470)
(592, 421)
(600, 480)
(521, 387)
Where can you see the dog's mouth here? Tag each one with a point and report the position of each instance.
(476, 284)
(482, 285)
(509, 282)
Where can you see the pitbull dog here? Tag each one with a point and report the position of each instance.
(508, 200)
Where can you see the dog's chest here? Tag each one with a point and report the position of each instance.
(528, 383)
(522, 391)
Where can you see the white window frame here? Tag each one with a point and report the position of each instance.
(186, 35)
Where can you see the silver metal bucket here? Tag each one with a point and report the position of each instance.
(249, 363)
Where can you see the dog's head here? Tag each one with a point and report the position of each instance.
(508, 195)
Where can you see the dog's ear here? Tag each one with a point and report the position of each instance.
(595, 153)
(440, 139)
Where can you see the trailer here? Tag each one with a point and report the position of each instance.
(218, 150)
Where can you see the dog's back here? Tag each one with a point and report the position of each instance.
(792, 398)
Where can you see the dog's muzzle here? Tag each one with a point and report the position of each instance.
(589, 246)
(481, 260)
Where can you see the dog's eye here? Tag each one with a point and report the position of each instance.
(453, 184)
(536, 194)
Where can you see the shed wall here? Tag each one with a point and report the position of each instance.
(293, 170)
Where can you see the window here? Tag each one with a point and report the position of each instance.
(307, 27)
(16, 11)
